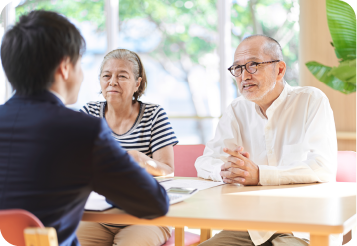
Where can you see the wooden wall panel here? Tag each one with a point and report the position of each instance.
(315, 45)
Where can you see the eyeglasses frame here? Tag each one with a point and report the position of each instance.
(241, 67)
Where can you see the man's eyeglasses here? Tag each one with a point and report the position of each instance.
(251, 67)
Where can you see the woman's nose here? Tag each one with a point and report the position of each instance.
(113, 81)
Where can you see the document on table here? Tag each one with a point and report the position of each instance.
(96, 202)
(187, 183)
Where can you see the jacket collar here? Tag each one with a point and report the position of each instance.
(44, 96)
(57, 95)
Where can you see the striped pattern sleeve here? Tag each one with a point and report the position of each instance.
(84, 109)
(162, 133)
(91, 108)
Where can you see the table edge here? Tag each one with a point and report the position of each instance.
(316, 229)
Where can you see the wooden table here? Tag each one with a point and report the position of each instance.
(320, 209)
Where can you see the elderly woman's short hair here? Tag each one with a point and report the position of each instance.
(138, 68)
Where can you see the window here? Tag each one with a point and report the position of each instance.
(179, 43)
(89, 17)
(278, 19)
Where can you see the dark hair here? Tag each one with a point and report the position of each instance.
(138, 67)
(34, 47)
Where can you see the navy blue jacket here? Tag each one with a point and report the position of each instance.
(52, 157)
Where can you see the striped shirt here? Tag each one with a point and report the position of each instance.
(150, 132)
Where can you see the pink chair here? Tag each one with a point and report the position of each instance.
(346, 171)
(13, 222)
(190, 239)
(185, 157)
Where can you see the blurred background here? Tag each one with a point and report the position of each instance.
(186, 48)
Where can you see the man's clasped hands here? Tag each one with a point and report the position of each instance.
(239, 168)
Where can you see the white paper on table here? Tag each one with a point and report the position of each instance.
(96, 202)
(187, 183)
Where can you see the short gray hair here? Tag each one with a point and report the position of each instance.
(138, 68)
(272, 47)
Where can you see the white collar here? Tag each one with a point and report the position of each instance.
(57, 95)
(276, 102)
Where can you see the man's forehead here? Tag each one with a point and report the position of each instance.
(249, 50)
(247, 55)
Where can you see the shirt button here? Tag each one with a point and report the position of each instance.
(270, 152)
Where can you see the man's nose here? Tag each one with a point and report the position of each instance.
(245, 75)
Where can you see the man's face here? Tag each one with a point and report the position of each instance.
(255, 87)
(75, 78)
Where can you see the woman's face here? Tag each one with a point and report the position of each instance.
(118, 82)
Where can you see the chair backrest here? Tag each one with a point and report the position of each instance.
(346, 169)
(185, 157)
(13, 223)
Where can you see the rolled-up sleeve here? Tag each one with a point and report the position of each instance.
(208, 165)
(320, 144)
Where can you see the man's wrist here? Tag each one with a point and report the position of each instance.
(259, 184)
(268, 175)
(216, 174)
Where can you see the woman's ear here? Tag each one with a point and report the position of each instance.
(138, 82)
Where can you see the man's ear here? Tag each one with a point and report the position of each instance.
(281, 70)
(64, 67)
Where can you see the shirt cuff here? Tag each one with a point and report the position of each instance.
(268, 175)
(216, 174)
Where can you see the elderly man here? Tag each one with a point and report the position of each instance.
(274, 134)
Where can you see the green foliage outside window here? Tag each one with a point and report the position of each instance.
(181, 44)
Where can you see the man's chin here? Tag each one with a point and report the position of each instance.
(250, 96)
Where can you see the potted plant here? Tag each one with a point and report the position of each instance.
(342, 24)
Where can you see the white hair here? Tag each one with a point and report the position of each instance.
(126, 55)
(271, 46)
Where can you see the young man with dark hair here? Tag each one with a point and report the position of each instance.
(51, 157)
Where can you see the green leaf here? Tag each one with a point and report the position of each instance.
(346, 71)
(321, 72)
(341, 21)
(346, 53)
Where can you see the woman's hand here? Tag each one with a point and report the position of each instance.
(160, 165)
(138, 157)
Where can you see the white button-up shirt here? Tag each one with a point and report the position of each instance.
(296, 143)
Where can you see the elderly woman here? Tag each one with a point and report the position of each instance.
(143, 130)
